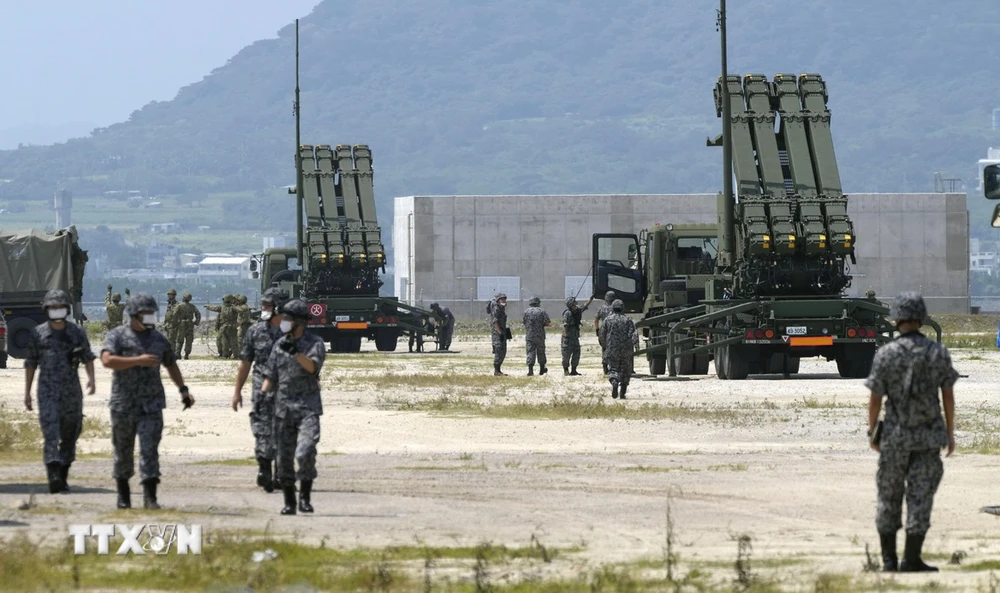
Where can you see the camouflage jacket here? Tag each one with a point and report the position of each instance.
(603, 312)
(186, 315)
(619, 336)
(138, 389)
(242, 315)
(169, 317)
(115, 312)
(498, 315)
(297, 390)
(535, 319)
(257, 344)
(572, 320)
(57, 354)
(910, 371)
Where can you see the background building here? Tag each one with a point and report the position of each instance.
(459, 250)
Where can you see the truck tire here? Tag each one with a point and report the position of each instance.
(386, 339)
(685, 365)
(701, 364)
(18, 332)
(737, 366)
(720, 363)
(350, 343)
(657, 365)
(856, 363)
(775, 365)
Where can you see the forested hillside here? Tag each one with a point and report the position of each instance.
(463, 96)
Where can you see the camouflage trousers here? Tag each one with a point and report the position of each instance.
(262, 421)
(185, 339)
(226, 342)
(916, 474)
(619, 368)
(60, 430)
(296, 435)
(535, 349)
(499, 348)
(570, 348)
(124, 428)
(241, 332)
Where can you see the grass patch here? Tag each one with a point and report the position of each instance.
(443, 468)
(812, 403)
(729, 467)
(473, 382)
(20, 434)
(242, 461)
(95, 428)
(655, 469)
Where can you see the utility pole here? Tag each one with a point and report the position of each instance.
(297, 108)
(727, 149)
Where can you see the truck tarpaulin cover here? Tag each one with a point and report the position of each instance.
(38, 261)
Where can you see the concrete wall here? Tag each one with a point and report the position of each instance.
(443, 245)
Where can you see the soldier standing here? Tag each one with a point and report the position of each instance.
(292, 374)
(535, 321)
(169, 325)
(187, 316)
(572, 320)
(58, 348)
(447, 326)
(255, 349)
(604, 311)
(499, 332)
(223, 313)
(909, 372)
(620, 339)
(135, 353)
(243, 320)
(114, 309)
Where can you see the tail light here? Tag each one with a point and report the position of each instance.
(749, 334)
(380, 320)
(851, 332)
(768, 334)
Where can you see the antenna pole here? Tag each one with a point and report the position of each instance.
(297, 108)
(728, 218)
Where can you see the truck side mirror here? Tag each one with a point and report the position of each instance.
(995, 223)
(253, 266)
(255, 275)
(991, 182)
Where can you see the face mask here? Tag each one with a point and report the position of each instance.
(149, 320)
(58, 314)
(265, 315)
(502, 303)
(286, 326)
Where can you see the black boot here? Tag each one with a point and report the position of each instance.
(565, 370)
(621, 393)
(604, 365)
(54, 471)
(264, 479)
(124, 495)
(531, 370)
(289, 492)
(544, 370)
(573, 372)
(912, 562)
(63, 476)
(614, 389)
(889, 560)
(304, 493)
(497, 372)
(149, 493)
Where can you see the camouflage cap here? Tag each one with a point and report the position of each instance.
(610, 296)
(171, 292)
(187, 297)
(116, 297)
(296, 308)
(618, 305)
(908, 306)
(56, 298)
(570, 301)
(242, 299)
(500, 297)
(275, 296)
(141, 302)
(227, 299)
(534, 302)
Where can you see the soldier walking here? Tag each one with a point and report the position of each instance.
(604, 311)
(572, 320)
(292, 375)
(186, 316)
(57, 349)
(114, 309)
(225, 326)
(535, 321)
(243, 321)
(135, 352)
(909, 372)
(446, 327)
(256, 348)
(169, 325)
(620, 339)
(499, 332)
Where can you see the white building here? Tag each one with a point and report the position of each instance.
(220, 267)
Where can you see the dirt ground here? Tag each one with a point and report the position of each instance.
(784, 461)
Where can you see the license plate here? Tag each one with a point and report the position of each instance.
(343, 318)
(797, 330)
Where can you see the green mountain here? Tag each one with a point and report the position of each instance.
(521, 96)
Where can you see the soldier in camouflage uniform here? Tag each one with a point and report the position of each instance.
(57, 348)
(255, 350)
(604, 311)
(572, 320)
(225, 326)
(497, 309)
(169, 326)
(446, 327)
(243, 320)
(114, 308)
(619, 337)
(909, 372)
(292, 375)
(535, 321)
(135, 352)
(186, 316)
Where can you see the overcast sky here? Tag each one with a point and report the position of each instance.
(71, 65)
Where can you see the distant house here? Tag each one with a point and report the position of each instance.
(221, 267)
(164, 227)
(160, 255)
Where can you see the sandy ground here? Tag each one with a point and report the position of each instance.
(784, 461)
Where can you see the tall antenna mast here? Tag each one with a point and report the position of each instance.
(727, 252)
(297, 110)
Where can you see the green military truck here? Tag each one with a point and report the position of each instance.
(35, 262)
(764, 288)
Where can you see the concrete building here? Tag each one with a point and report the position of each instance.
(459, 250)
(224, 267)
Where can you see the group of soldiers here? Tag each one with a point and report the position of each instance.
(180, 318)
(616, 334)
(286, 362)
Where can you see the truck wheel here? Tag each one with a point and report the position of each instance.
(737, 365)
(386, 339)
(3, 360)
(701, 364)
(18, 334)
(685, 365)
(657, 365)
(352, 343)
(720, 363)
